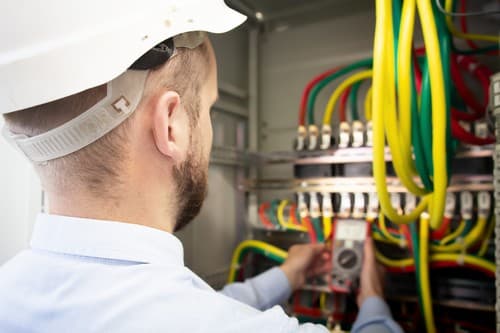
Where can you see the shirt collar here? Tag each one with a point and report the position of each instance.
(106, 239)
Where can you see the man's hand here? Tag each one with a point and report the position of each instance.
(304, 261)
(372, 275)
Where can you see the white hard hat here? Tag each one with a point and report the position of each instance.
(56, 48)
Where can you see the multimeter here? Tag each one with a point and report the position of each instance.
(349, 236)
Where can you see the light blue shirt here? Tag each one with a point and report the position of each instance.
(84, 275)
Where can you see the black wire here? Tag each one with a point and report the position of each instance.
(486, 12)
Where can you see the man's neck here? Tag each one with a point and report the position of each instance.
(142, 208)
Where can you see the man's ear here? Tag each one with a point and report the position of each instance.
(170, 129)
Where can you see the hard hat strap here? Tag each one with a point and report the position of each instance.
(123, 96)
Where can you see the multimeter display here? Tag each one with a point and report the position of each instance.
(350, 230)
(347, 254)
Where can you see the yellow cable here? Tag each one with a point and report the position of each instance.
(322, 302)
(424, 274)
(327, 226)
(438, 257)
(283, 222)
(438, 103)
(327, 117)
(467, 240)
(279, 213)
(486, 240)
(379, 238)
(398, 142)
(394, 263)
(404, 65)
(252, 244)
(457, 33)
(368, 105)
(457, 232)
(380, 86)
(388, 235)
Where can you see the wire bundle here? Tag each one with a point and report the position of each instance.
(420, 105)
(272, 216)
(451, 250)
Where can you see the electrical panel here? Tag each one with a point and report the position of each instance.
(409, 163)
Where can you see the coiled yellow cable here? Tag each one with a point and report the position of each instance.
(252, 244)
(438, 102)
(286, 224)
(457, 33)
(382, 71)
(467, 241)
(403, 165)
(394, 263)
(453, 235)
(424, 274)
(382, 239)
(404, 65)
(327, 117)
(486, 240)
(368, 104)
(438, 257)
(383, 228)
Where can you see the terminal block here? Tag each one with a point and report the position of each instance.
(466, 205)
(313, 138)
(358, 211)
(358, 134)
(344, 135)
(373, 206)
(301, 140)
(345, 205)
(326, 137)
(369, 134)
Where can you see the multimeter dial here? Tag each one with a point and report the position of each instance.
(347, 259)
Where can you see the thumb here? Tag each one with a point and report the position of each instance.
(316, 249)
(368, 248)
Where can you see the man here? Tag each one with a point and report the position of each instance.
(122, 153)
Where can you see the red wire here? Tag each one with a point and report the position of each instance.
(293, 212)
(441, 231)
(461, 134)
(394, 231)
(310, 230)
(307, 90)
(482, 74)
(264, 219)
(463, 26)
(298, 308)
(418, 71)
(406, 232)
(420, 50)
(454, 264)
(343, 102)
(440, 264)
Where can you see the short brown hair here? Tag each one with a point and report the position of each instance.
(98, 165)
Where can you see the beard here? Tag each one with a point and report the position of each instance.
(191, 179)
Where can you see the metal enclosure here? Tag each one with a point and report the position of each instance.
(263, 67)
